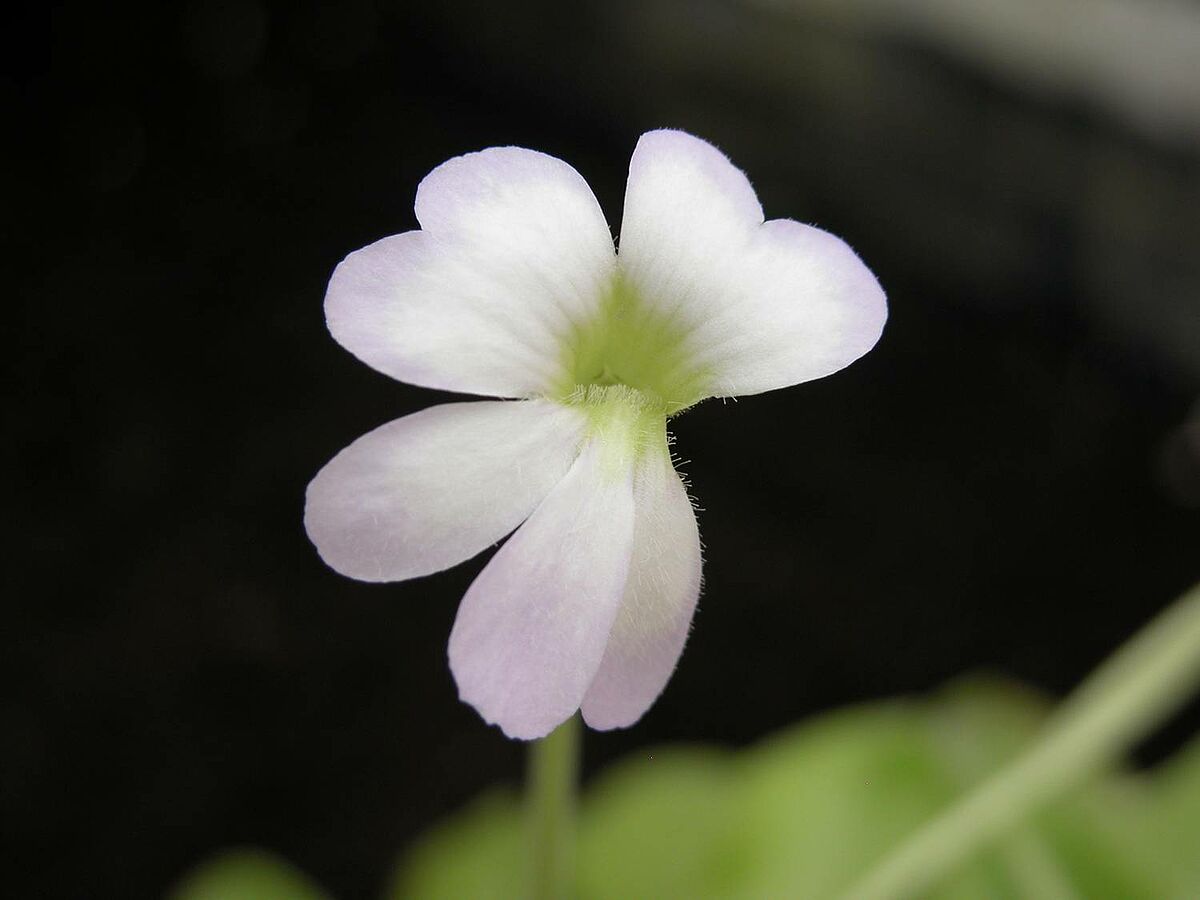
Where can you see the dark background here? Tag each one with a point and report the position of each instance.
(1010, 481)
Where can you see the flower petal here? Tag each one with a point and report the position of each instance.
(514, 252)
(531, 630)
(764, 305)
(427, 491)
(651, 627)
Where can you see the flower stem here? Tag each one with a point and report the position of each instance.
(1140, 684)
(550, 791)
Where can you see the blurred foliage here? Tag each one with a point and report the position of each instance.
(802, 813)
(246, 874)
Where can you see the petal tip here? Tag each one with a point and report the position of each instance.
(599, 721)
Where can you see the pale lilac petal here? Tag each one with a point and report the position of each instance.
(515, 251)
(651, 627)
(532, 629)
(427, 491)
(763, 305)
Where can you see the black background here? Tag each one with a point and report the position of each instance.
(1003, 483)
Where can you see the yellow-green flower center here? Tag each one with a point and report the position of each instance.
(629, 344)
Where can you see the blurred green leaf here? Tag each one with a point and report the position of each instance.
(1177, 810)
(823, 801)
(980, 723)
(661, 825)
(1104, 839)
(479, 853)
(248, 873)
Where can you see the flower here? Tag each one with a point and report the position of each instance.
(512, 288)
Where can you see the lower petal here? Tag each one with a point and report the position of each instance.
(660, 597)
(532, 628)
(425, 492)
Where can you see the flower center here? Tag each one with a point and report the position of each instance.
(629, 344)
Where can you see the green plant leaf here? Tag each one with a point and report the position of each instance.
(246, 873)
(479, 853)
(661, 825)
(823, 801)
(1176, 808)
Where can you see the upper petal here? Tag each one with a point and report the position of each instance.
(513, 253)
(429, 490)
(763, 305)
(532, 628)
(660, 595)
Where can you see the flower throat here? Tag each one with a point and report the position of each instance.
(628, 344)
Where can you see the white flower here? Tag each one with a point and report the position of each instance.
(512, 288)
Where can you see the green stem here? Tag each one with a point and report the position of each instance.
(550, 791)
(1144, 681)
